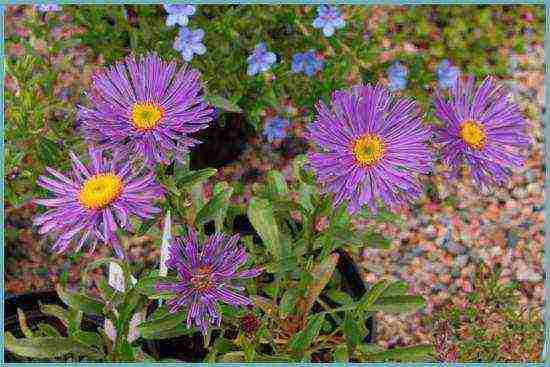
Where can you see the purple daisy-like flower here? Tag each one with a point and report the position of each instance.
(93, 201)
(482, 128)
(372, 145)
(206, 272)
(146, 107)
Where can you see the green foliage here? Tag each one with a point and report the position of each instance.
(491, 325)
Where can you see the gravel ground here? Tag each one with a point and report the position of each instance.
(435, 248)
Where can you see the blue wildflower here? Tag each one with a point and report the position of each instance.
(308, 62)
(260, 60)
(329, 18)
(178, 14)
(447, 74)
(275, 128)
(44, 8)
(397, 74)
(189, 42)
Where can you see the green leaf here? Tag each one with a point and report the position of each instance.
(146, 286)
(341, 354)
(48, 330)
(223, 103)
(152, 328)
(193, 177)
(82, 302)
(56, 311)
(276, 184)
(396, 289)
(339, 297)
(376, 240)
(321, 274)
(48, 347)
(372, 295)
(288, 302)
(216, 207)
(352, 332)
(88, 338)
(23, 324)
(397, 304)
(302, 340)
(233, 357)
(405, 354)
(260, 214)
(146, 226)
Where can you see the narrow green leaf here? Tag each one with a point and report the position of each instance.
(223, 103)
(23, 324)
(260, 214)
(88, 338)
(276, 184)
(146, 226)
(288, 302)
(376, 240)
(396, 289)
(146, 286)
(47, 347)
(321, 273)
(191, 178)
(56, 311)
(405, 354)
(372, 295)
(48, 330)
(155, 326)
(339, 297)
(216, 207)
(302, 340)
(341, 354)
(397, 304)
(82, 302)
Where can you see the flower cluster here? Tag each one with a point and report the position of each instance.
(374, 144)
(140, 110)
(188, 42)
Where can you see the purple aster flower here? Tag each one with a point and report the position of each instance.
(206, 273)
(189, 42)
(397, 73)
(328, 18)
(447, 74)
(146, 107)
(481, 128)
(178, 14)
(372, 145)
(260, 60)
(93, 201)
(45, 8)
(275, 128)
(308, 62)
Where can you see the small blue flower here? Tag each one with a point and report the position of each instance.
(260, 60)
(397, 74)
(275, 128)
(447, 74)
(44, 8)
(308, 62)
(328, 18)
(178, 14)
(189, 42)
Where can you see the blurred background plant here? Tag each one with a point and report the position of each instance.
(489, 325)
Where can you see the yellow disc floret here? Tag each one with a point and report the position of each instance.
(146, 115)
(472, 133)
(368, 149)
(100, 190)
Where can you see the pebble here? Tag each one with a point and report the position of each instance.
(461, 261)
(456, 248)
(512, 239)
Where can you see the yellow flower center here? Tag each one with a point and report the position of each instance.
(368, 150)
(100, 190)
(472, 133)
(146, 115)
